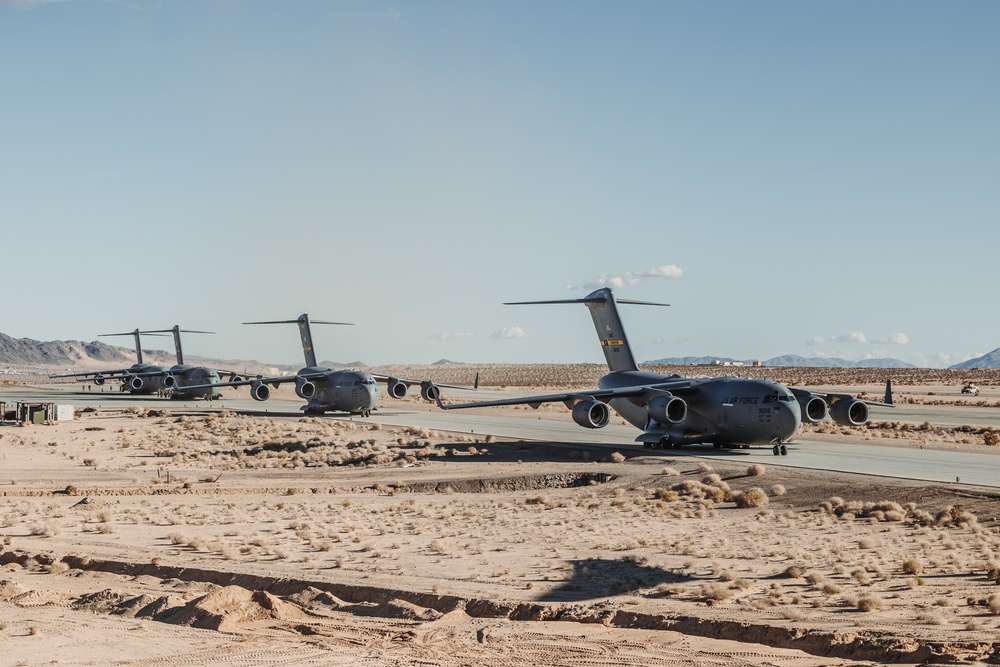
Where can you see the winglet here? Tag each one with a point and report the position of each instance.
(476, 385)
(437, 397)
(888, 391)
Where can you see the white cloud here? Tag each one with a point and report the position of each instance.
(392, 14)
(894, 339)
(616, 280)
(508, 332)
(849, 337)
(453, 336)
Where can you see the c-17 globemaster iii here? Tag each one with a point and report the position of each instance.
(673, 410)
(328, 390)
(139, 378)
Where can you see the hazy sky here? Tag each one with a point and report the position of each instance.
(814, 178)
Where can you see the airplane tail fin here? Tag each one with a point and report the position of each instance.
(138, 344)
(305, 333)
(604, 311)
(888, 391)
(176, 331)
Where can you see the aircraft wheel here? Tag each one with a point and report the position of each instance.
(777, 450)
(677, 445)
(664, 443)
(717, 445)
(647, 445)
(784, 450)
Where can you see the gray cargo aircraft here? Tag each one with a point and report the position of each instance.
(139, 378)
(673, 410)
(187, 377)
(327, 390)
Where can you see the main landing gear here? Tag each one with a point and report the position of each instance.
(780, 449)
(664, 443)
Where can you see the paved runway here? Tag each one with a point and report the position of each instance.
(982, 469)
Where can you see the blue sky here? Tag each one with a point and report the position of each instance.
(794, 178)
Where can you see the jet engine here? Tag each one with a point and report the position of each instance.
(429, 391)
(98, 379)
(396, 388)
(260, 391)
(667, 409)
(814, 409)
(235, 378)
(135, 383)
(169, 381)
(849, 412)
(304, 388)
(591, 414)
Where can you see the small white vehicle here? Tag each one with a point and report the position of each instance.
(970, 388)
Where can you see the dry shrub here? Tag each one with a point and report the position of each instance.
(712, 594)
(704, 466)
(778, 490)
(756, 470)
(994, 604)
(669, 472)
(667, 495)
(868, 603)
(793, 572)
(617, 457)
(912, 566)
(754, 497)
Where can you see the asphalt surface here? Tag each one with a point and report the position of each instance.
(980, 469)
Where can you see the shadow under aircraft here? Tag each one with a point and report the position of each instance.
(674, 411)
(328, 390)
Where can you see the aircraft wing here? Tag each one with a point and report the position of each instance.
(831, 397)
(274, 381)
(111, 375)
(572, 397)
(389, 378)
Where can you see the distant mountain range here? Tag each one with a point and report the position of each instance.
(989, 360)
(78, 354)
(787, 360)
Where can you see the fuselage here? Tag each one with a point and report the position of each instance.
(185, 375)
(726, 410)
(355, 392)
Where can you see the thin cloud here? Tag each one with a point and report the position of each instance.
(616, 280)
(509, 332)
(849, 337)
(392, 14)
(894, 339)
(453, 336)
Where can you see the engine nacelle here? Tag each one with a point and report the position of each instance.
(304, 388)
(429, 391)
(99, 379)
(169, 381)
(259, 391)
(135, 383)
(814, 409)
(591, 414)
(849, 412)
(235, 378)
(667, 409)
(396, 388)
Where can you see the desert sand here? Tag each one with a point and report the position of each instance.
(170, 537)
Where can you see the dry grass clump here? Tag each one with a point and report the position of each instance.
(756, 470)
(617, 457)
(867, 603)
(912, 566)
(754, 497)
(670, 472)
(778, 490)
